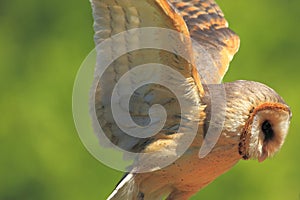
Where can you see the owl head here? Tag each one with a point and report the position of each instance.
(262, 120)
(265, 130)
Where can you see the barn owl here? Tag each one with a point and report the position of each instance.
(255, 118)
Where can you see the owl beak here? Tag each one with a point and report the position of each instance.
(263, 156)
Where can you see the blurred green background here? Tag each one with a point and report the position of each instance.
(42, 44)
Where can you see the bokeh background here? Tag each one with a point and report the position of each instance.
(42, 44)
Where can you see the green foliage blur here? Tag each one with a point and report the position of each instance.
(42, 44)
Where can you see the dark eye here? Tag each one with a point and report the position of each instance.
(266, 128)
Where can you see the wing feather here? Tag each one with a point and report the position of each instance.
(112, 17)
(207, 25)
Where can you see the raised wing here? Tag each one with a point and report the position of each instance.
(136, 48)
(207, 25)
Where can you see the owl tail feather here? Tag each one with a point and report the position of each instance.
(126, 189)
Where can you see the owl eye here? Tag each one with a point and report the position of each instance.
(266, 128)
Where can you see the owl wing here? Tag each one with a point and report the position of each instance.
(111, 18)
(208, 27)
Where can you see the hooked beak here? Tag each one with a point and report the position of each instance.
(263, 156)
